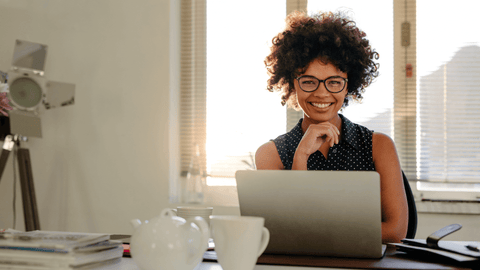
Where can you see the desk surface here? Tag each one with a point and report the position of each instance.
(392, 260)
(129, 264)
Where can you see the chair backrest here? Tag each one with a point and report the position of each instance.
(412, 209)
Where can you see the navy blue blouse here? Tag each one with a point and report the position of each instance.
(352, 153)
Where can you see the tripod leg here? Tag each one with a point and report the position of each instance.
(28, 191)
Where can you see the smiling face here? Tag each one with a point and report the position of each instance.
(320, 105)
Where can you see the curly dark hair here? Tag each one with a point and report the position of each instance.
(332, 38)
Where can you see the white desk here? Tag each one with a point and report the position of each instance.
(129, 264)
(392, 260)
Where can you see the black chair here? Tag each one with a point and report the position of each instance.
(412, 209)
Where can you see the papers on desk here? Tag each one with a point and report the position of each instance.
(38, 250)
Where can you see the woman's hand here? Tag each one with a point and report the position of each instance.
(315, 136)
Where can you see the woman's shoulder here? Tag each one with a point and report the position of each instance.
(381, 138)
(382, 146)
(267, 147)
(267, 158)
(275, 153)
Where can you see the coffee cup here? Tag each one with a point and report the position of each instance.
(239, 240)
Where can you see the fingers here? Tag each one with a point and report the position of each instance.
(333, 135)
(326, 132)
(316, 135)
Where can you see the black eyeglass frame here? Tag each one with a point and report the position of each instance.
(321, 81)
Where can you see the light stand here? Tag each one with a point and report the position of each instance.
(30, 210)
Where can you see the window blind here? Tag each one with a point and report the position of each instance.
(292, 115)
(448, 82)
(193, 61)
(405, 90)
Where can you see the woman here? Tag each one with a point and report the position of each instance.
(318, 64)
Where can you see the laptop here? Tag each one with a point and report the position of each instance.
(320, 213)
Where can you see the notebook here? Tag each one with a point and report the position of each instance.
(326, 213)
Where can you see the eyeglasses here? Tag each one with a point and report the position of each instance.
(333, 84)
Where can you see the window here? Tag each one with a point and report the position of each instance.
(448, 83)
(235, 120)
(427, 106)
(375, 111)
(237, 100)
(221, 64)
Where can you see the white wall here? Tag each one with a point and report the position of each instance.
(104, 160)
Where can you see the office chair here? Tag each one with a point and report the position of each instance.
(412, 209)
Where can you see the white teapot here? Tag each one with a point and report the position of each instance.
(169, 242)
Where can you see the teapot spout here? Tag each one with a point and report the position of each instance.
(135, 223)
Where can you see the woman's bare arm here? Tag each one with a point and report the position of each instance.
(394, 202)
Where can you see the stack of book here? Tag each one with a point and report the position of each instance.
(39, 250)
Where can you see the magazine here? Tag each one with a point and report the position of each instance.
(50, 240)
(109, 264)
(56, 250)
(52, 259)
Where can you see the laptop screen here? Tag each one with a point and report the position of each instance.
(330, 213)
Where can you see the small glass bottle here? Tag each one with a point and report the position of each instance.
(195, 179)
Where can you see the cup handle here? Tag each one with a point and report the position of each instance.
(205, 231)
(265, 239)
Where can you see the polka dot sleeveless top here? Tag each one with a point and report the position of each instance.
(352, 153)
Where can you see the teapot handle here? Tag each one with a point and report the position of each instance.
(205, 231)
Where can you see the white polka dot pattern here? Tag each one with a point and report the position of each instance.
(353, 153)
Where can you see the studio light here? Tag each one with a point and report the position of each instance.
(29, 93)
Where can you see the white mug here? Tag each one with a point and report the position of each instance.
(239, 240)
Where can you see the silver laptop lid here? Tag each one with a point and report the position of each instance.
(329, 213)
